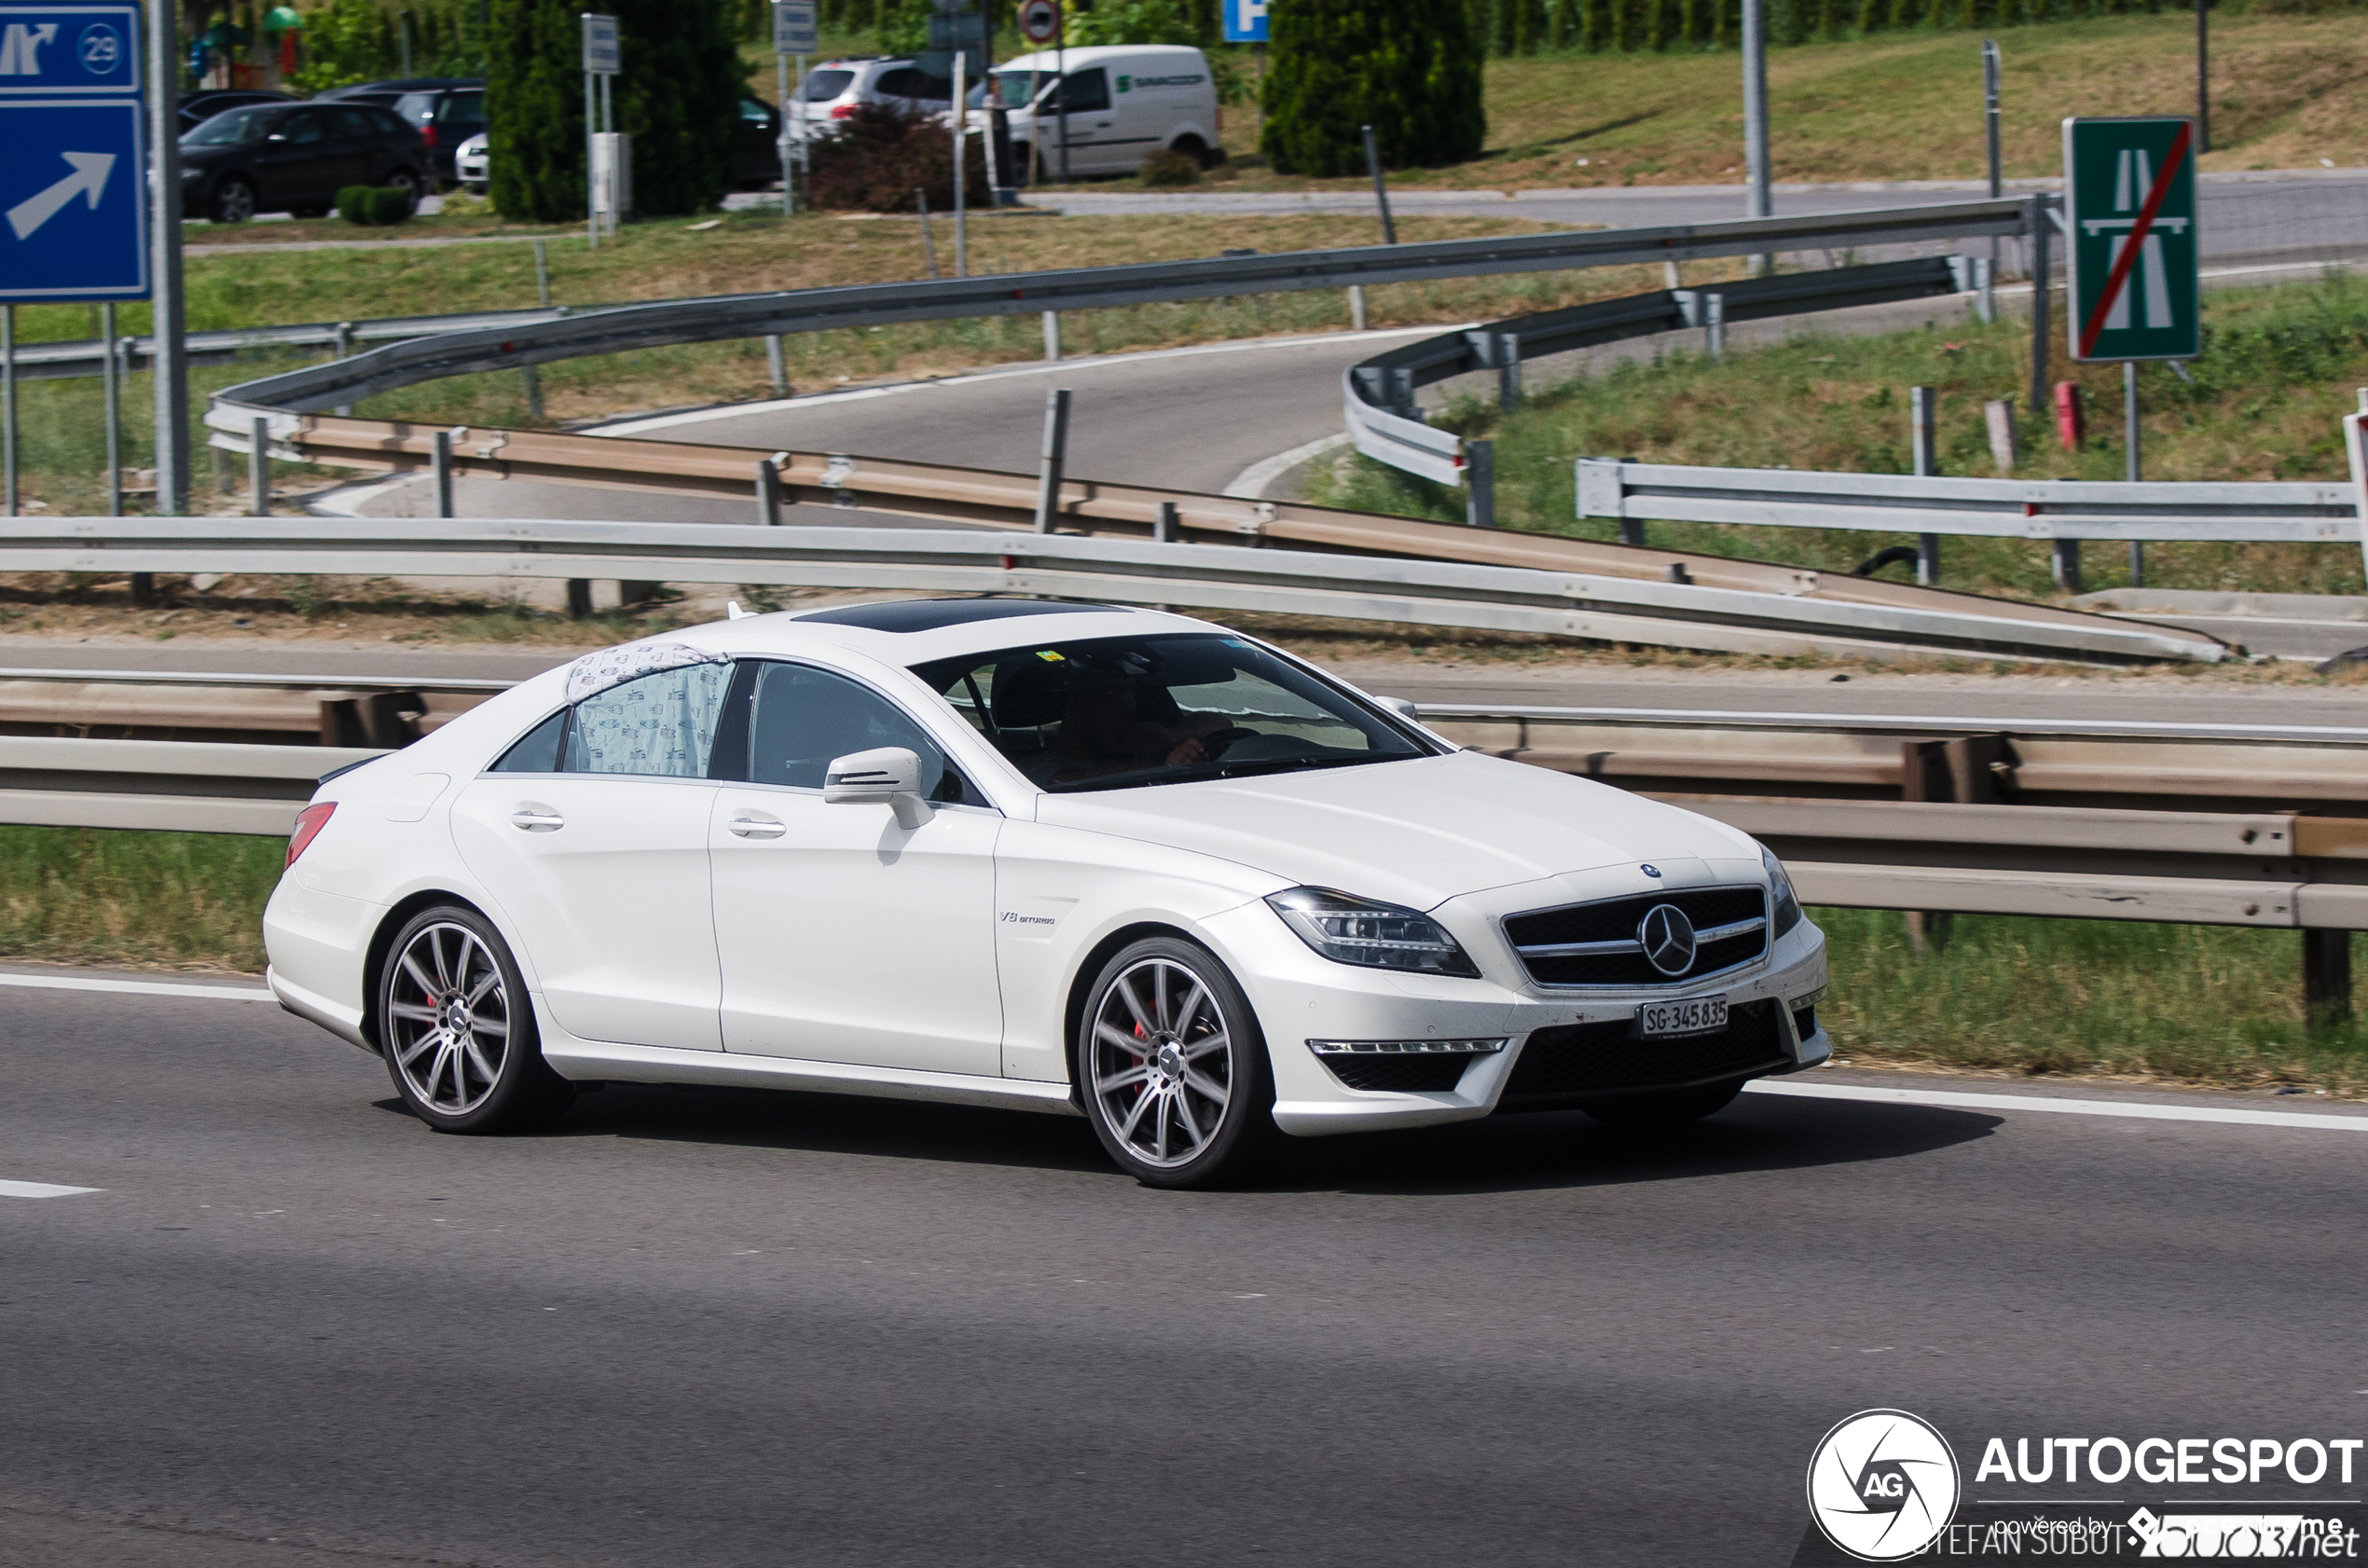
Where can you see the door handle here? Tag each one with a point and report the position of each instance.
(530, 819)
(757, 827)
(1102, 125)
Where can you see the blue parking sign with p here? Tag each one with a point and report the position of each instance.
(74, 187)
(1246, 22)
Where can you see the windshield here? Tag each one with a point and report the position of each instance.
(1123, 712)
(1016, 89)
(823, 86)
(231, 128)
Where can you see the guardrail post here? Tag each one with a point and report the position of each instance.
(2064, 565)
(2006, 441)
(2326, 977)
(776, 363)
(2036, 220)
(579, 597)
(345, 350)
(768, 492)
(532, 379)
(1508, 371)
(259, 465)
(1401, 394)
(1920, 439)
(1480, 483)
(542, 273)
(1985, 290)
(440, 464)
(1715, 325)
(1163, 525)
(1052, 334)
(1356, 306)
(1056, 453)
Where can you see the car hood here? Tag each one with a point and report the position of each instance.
(1416, 832)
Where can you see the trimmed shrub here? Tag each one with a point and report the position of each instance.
(881, 154)
(1409, 68)
(374, 205)
(1168, 167)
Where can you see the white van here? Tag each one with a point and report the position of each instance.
(1124, 102)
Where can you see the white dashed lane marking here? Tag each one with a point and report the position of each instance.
(139, 987)
(41, 1189)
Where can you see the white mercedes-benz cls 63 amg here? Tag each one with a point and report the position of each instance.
(1076, 859)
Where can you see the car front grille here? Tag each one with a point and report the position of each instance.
(1427, 1074)
(1596, 944)
(1563, 1066)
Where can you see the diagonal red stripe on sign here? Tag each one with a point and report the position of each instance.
(2119, 277)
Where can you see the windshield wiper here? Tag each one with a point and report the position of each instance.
(1141, 777)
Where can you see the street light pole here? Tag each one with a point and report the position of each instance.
(1758, 202)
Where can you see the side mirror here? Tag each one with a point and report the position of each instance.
(1400, 707)
(890, 774)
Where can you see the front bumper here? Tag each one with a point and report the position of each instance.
(1302, 996)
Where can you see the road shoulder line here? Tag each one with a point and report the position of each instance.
(2142, 1111)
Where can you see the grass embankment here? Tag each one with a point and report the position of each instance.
(2277, 374)
(2198, 1004)
(2287, 90)
(749, 251)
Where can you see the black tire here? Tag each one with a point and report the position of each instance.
(447, 965)
(1198, 151)
(408, 182)
(1152, 1108)
(233, 200)
(1666, 1107)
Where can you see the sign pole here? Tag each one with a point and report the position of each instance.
(112, 388)
(788, 195)
(591, 196)
(2203, 77)
(166, 358)
(1758, 201)
(8, 407)
(2136, 467)
(961, 147)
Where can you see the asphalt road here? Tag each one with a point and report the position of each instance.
(726, 1327)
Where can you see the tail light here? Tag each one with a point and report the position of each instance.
(308, 823)
(427, 136)
(842, 111)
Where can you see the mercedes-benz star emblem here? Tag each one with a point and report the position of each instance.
(1667, 939)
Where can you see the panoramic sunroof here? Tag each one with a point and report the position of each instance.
(928, 614)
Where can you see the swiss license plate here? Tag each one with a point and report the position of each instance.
(1696, 1015)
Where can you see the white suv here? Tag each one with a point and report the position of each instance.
(835, 89)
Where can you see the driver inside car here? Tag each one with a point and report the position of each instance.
(1104, 729)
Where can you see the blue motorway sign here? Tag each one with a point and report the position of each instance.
(1246, 22)
(78, 52)
(73, 188)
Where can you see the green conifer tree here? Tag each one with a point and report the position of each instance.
(1409, 68)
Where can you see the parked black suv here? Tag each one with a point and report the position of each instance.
(295, 158)
(198, 108)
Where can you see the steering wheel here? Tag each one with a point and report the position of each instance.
(1213, 744)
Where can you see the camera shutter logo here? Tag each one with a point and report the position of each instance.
(1667, 938)
(1882, 1485)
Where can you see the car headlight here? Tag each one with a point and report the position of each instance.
(1375, 936)
(1784, 905)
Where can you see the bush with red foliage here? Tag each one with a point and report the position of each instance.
(880, 154)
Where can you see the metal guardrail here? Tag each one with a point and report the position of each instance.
(623, 328)
(2286, 512)
(1376, 394)
(87, 356)
(852, 487)
(1597, 607)
(2239, 862)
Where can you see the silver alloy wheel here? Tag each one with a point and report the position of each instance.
(1162, 1065)
(449, 1019)
(235, 203)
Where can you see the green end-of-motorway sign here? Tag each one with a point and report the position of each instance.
(2129, 195)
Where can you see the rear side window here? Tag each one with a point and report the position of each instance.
(416, 108)
(823, 86)
(908, 81)
(538, 750)
(386, 124)
(803, 719)
(662, 725)
(460, 109)
(356, 122)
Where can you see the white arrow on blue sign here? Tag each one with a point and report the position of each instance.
(74, 197)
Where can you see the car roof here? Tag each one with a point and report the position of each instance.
(1099, 54)
(907, 632)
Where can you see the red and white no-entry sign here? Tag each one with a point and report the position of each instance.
(1040, 20)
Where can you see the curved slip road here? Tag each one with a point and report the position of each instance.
(717, 1328)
